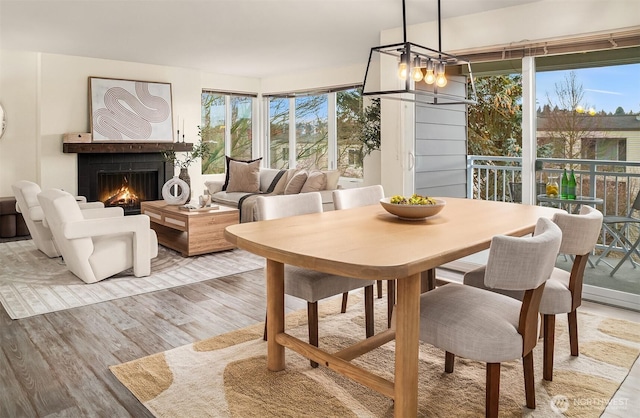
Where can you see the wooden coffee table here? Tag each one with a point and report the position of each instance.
(190, 233)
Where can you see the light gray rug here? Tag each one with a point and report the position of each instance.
(32, 283)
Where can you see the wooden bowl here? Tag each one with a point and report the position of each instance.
(412, 212)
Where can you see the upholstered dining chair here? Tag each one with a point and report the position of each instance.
(311, 285)
(563, 291)
(26, 194)
(353, 198)
(491, 327)
(94, 249)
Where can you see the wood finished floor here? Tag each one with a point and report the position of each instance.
(56, 365)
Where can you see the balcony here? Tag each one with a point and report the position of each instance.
(615, 182)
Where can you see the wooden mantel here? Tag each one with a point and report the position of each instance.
(124, 147)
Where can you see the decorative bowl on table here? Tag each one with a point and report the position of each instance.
(413, 212)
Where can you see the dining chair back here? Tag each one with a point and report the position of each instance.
(311, 285)
(490, 327)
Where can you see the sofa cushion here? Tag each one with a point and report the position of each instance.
(294, 185)
(333, 176)
(316, 181)
(244, 177)
(228, 159)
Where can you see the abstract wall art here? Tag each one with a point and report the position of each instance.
(130, 110)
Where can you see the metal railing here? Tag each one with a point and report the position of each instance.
(615, 182)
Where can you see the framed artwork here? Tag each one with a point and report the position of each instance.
(130, 110)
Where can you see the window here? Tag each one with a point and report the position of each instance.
(227, 125)
(326, 131)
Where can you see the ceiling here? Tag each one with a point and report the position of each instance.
(253, 38)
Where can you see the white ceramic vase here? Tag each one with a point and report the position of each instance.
(176, 191)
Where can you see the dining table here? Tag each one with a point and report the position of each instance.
(370, 243)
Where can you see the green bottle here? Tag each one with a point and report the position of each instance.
(571, 186)
(564, 185)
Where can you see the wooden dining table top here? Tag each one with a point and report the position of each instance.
(370, 242)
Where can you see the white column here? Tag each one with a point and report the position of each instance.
(529, 142)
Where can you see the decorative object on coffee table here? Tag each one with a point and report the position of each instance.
(180, 188)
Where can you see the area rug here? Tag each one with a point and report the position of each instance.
(32, 283)
(226, 376)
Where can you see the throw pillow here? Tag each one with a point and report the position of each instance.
(229, 159)
(333, 176)
(295, 184)
(244, 177)
(316, 181)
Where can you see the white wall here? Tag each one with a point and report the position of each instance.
(46, 95)
(539, 21)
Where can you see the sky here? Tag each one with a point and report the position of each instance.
(605, 88)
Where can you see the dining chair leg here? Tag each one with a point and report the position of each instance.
(391, 300)
(549, 326)
(312, 319)
(345, 299)
(573, 332)
(379, 284)
(449, 360)
(529, 380)
(368, 311)
(493, 390)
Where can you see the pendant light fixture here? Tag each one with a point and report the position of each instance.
(414, 73)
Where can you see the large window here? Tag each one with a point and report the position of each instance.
(324, 130)
(227, 124)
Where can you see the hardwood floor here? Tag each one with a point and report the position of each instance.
(57, 364)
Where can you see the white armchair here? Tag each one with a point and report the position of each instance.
(94, 249)
(26, 193)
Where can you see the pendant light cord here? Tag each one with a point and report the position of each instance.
(404, 21)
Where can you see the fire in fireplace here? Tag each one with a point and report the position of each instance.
(121, 179)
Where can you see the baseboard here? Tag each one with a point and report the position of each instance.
(611, 297)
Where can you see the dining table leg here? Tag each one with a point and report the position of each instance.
(407, 313)
(275, 314)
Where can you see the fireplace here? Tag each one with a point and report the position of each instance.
(123, 173)
(122, 179)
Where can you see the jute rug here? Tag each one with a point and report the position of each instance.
(32, 283)
(226, 376)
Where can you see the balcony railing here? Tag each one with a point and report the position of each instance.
(616, 182)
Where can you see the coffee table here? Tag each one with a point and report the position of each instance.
(190, 233)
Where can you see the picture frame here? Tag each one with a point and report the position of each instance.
(130, 110)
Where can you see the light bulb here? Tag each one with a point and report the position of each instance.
(429, 77)
(416, 71)
(402, 67)
(441, 80)
(402, 71)
(592, 111)
(579, 109)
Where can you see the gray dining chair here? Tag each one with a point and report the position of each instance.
(563, 291)
(490, 327)
(357, 197)
(311, 285)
